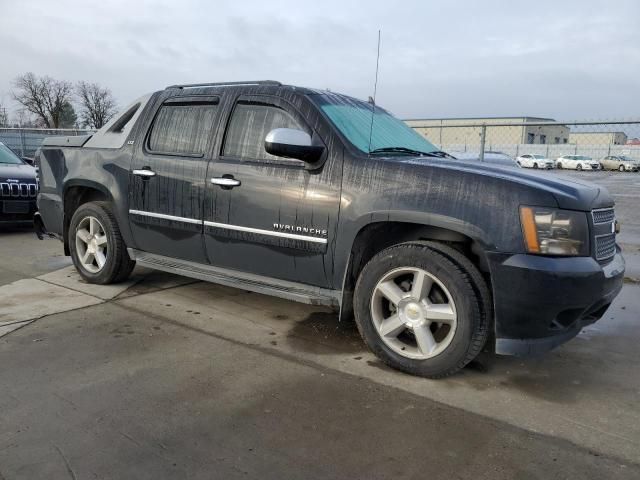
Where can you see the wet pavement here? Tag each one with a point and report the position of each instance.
(113, 392)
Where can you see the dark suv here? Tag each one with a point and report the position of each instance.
(18, 188)
(321, 198)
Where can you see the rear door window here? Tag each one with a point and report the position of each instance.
(183, 128)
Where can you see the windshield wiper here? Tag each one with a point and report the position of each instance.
(410, 151)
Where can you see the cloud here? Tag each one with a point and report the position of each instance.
(460, 58)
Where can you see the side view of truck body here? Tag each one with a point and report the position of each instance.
(318, 197)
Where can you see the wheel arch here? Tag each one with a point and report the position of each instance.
(76, 193)
(375, 236)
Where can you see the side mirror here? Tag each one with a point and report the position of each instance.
(29, 160)
(292, 143)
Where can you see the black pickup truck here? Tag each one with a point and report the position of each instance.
(321, 198)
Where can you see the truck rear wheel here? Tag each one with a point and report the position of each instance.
(97, 248)
(420, 311)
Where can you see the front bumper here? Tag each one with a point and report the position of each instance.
(10, 215)
(541, 302)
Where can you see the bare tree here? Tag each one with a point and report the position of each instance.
(23, 118)
(4, 117)
(97, 105)
(45, 97)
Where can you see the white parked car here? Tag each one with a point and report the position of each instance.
(535, 161)
(620, 163)
(577, 162)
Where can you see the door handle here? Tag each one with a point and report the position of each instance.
(145, 173)
(226, 182)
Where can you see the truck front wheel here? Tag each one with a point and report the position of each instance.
(420, 311)
(97, 248)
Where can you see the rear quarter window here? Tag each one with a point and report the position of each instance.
(182, 129)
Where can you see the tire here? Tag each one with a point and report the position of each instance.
(621, 168)
(559, 166)
(535, 165)
(458, 297)
(96, 245)
(579, 167)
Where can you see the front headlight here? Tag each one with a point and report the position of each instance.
(551, 231)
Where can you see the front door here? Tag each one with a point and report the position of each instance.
(168, 178)
(268, 215)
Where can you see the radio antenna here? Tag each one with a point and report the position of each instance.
(375, 90)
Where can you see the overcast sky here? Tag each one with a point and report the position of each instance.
(569, 59)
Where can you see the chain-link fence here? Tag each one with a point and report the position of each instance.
(25, 141)
(528, 139)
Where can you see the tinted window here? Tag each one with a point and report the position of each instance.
(182, 128)
(249, 126)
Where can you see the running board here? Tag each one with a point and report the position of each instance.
(297, 292)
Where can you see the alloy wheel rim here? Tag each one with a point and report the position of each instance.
(92, 245)
(413, 313)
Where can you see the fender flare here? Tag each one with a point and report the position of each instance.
(77, 182)
(425, 219)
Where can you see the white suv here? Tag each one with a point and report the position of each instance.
(577, 162)
(534, 161)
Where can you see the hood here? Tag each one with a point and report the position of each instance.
(17, 172)
(570, 193)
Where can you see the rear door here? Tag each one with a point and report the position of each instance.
(168, 177)
(275, 218)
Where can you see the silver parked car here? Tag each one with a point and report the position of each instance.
(621, 163)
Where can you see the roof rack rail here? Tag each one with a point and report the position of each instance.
(226, 84)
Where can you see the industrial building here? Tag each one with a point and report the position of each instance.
(598, 138)
(499, 131)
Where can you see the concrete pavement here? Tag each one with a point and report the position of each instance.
(108, 360)
(24, 256)
(111, 392)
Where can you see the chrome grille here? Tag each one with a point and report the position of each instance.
(605, 246)
(604, 215)
(18, 190)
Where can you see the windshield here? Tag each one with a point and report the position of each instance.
(7, 156)
(353, 118)
(538, 157)
(624, 158)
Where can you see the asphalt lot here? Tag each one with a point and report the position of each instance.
(163, 377)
